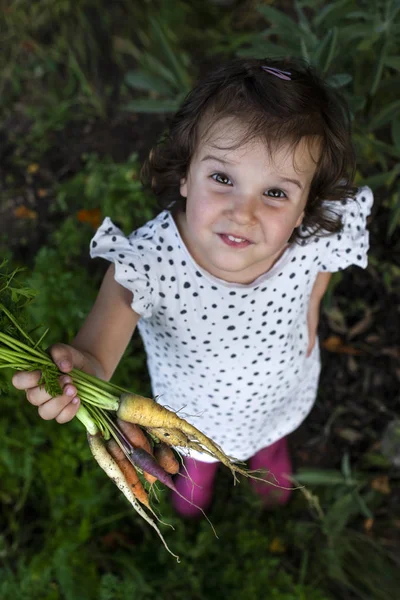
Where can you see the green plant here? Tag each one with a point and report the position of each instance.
(355, 45)
(352, 560)
(113, 189)
(165, 71)
(62, 47)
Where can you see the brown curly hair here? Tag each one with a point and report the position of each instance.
(274, 110)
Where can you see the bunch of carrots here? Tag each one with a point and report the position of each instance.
(131, 437)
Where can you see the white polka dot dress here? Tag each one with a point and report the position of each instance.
(230, 357)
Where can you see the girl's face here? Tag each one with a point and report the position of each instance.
(242, 206)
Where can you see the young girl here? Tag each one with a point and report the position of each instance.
(226, 282)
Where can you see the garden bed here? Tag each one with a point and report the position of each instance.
(43, 228)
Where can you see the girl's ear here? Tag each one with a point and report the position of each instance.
(183, 187)
(299, 220)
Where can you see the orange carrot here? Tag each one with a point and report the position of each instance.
(135, 435)
(138, 439)
(129, 472)
(166, 458)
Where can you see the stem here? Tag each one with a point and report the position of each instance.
(9, 341)
(98, 383)
(12, 354)
(100, 417)
(84, 417)
(92, 390)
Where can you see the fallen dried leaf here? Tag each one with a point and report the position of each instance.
(42, 193)
(277, 546)
(352, 364)
(23, 212)
(394, 352)
(32, 168)
(381, 484)
(368, 523)
(349, 434)
(91, 216)
(372, 338)
(334, 343)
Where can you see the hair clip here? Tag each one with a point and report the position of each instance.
(278, 73)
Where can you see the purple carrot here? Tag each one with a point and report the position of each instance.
(145, 461)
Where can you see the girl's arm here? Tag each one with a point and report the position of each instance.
(319, 289)
(320, 285)
(97, 349)
(108, 328)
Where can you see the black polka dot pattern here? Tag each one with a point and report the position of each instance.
(351, 245)
(230, 357)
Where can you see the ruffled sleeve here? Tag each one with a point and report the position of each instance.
(133, 265)
(351, 245)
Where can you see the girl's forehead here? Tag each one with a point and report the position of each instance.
(231, 137)
(228, 144)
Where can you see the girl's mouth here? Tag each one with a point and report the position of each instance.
(233, 241)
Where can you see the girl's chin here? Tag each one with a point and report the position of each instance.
(233, 273)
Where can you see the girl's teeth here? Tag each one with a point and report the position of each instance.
(234, 239)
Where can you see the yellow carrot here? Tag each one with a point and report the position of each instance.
(148, 413)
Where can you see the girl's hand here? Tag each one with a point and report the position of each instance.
(61, 408)
(312, 322)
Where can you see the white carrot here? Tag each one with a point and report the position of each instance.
(110, 467)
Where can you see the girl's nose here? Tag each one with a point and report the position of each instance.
(242, 209)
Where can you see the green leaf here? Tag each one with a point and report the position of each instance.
(286, 26)
(356, 103)
(346, 469)
(381, 179)
(339, 80)
(146, 81)
(326, 50)
(394, 214)
(262, 47)
(155, 67)
(304, 50)
(340, 513)
(389, 112)
(181, 74)
(355, 31)
(396, 132)
(393, 61)
(151, 105)
(330, 14)
(305, 26)
(378, 70)
(359, 14)
(320, 477)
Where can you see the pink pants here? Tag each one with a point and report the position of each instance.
(196, 480)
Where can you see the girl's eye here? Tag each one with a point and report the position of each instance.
(221, 178)
(276, 193)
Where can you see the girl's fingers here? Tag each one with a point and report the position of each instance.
(25, 380)
(53, 408)
(69, 412)
(37, 396)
